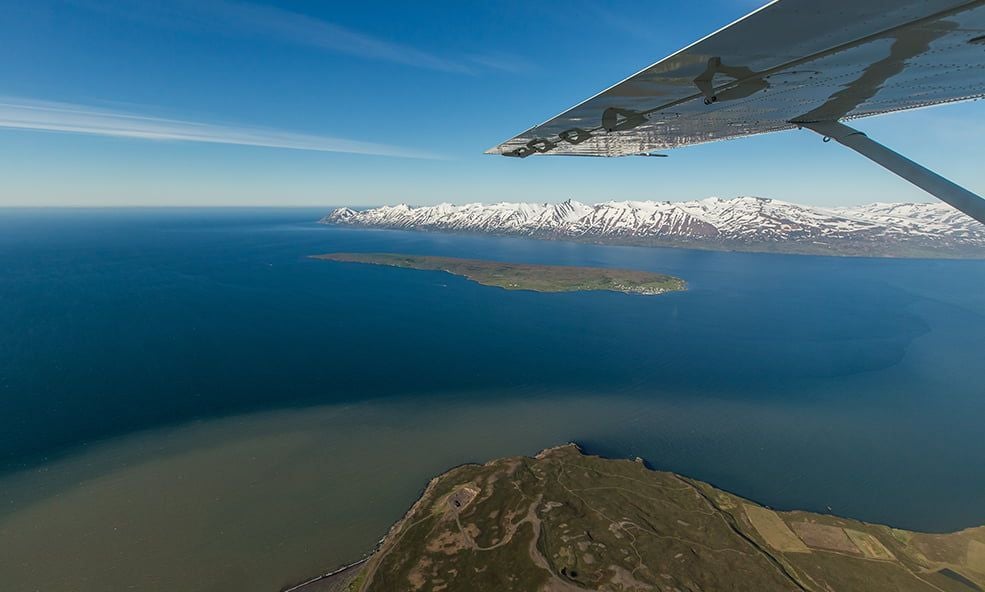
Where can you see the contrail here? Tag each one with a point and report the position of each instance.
(31, 114)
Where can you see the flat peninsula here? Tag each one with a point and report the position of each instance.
(522, 276)
(564, 521)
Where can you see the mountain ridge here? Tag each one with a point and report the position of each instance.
(741, 223)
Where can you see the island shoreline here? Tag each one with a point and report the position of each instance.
(525, 276)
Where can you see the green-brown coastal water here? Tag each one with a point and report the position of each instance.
(254, 502)
(260, 501)
(188, 402)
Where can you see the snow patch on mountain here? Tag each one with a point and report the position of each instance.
(745, 223)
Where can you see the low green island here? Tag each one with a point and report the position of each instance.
(564, 521)
(523, 276)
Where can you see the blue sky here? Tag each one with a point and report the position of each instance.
(222, 102)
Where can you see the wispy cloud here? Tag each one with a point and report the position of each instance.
(502, 61)
(246, 19)
(31, 114)
(292, 27)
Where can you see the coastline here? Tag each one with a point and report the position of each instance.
(524, 276)
(930, 557)
(867, 250)
(317, 581)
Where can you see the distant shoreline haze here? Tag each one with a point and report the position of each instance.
(755, 224)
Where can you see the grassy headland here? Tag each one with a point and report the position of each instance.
(566, 522)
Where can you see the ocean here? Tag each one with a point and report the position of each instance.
(187, 401)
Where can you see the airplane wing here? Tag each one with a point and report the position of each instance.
(790, 62)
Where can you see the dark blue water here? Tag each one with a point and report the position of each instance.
(867, 376)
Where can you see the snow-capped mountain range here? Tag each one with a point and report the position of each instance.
(741, 223)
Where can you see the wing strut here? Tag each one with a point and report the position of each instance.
(924, 178)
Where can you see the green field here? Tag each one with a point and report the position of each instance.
(567, 522)
(520, 276)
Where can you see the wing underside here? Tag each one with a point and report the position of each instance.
(790, 62)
